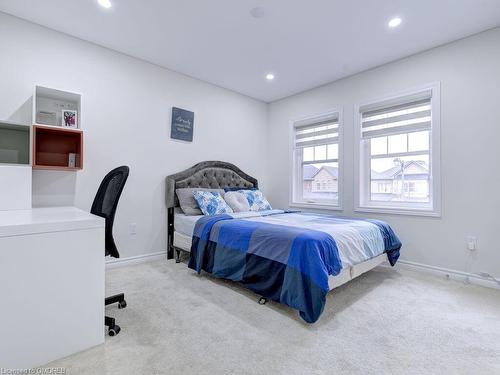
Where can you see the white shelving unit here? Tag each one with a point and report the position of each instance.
(50, 100)
(53, 144)
(38, 146)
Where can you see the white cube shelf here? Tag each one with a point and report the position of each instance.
(15, 143)
(48, 100)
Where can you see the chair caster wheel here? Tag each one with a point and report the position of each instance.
(113, 331)
(262, 301)
(122, 304)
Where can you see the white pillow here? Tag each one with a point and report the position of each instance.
(237, 201)
(256, 200)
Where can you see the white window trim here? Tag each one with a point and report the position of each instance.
(292, 167)
(435, 156)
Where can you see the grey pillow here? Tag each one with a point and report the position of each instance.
(237, 201)
(187, 202)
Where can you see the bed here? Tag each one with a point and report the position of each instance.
(351, 247)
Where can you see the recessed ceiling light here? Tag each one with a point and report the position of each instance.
(269, 76)
(257, 12)
(395, 22)
(105, 3)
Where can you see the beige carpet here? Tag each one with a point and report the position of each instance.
(388, 321)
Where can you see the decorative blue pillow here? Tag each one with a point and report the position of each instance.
(211, 203)
(256, 200)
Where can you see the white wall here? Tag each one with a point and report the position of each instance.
(126, 109)
(126, 114)
(469, 72)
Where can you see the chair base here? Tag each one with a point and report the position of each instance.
(113, 328)
(117, 298)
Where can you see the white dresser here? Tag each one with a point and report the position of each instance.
(51, 284)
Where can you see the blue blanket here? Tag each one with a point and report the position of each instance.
(289, 263)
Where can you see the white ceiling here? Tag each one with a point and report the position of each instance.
(304, 43)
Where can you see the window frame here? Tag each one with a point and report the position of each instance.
(295, 172)
(362, 169)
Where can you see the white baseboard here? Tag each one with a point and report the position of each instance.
(122, 262)
(436, 271)
(468, 278)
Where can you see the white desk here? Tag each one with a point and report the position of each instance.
(51, 284)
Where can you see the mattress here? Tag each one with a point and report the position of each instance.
(347, 274)
(182, 241)
(184, 224)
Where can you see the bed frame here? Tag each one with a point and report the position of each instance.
(220, 175)
(207, 175)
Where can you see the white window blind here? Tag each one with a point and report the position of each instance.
(316, 172)
(399, 153)
(317, 134)
(413, 115)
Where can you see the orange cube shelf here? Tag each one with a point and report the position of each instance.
(52, 146)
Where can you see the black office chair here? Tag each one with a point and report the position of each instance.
(105, 203)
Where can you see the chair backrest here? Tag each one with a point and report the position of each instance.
(106, 202)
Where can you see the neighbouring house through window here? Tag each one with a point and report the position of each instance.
(399, 143)
(316, 160)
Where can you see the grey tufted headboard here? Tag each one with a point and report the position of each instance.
(210, 175)
(207, 174)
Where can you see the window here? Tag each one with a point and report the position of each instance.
(316, 161)
(399, 154)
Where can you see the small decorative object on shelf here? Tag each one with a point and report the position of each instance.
(72, 160)
(69, 118)
(182, 124)
(46, 118)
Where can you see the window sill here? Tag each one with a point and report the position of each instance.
(317, 206)
(398, 211)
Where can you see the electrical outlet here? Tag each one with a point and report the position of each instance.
(133, 229)
(472, 243)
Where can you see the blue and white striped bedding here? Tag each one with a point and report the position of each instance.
(357, 240)
(288, 257)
